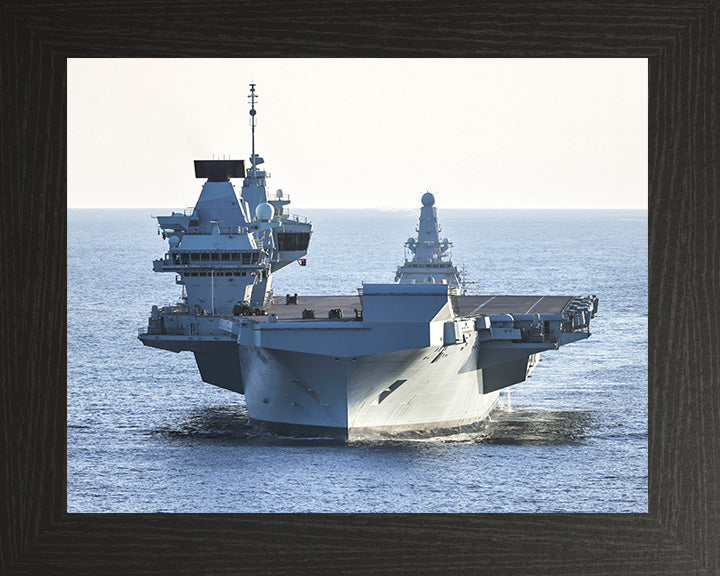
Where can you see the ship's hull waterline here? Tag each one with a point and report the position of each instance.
(424, 392)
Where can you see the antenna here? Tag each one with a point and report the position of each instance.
(252, 123)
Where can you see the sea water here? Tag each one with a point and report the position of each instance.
(145, 434)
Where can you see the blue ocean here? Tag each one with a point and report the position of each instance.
(145, 434)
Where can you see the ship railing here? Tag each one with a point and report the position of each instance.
(189, 211)
(276, 198)
(232, 229)
(160, 331)
(297, 218)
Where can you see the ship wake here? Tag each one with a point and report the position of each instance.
(230, 424)
(517, 426)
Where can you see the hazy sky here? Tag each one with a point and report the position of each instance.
(364, 133)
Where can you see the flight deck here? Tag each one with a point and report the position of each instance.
(468, 306)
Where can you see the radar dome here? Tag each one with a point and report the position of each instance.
(279, 193)
(264, 212)
(174, 241)
(428, 199)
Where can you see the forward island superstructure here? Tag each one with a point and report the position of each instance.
(415, 356)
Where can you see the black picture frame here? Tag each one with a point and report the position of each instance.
(681, 532)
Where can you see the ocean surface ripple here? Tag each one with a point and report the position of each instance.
(145, 434)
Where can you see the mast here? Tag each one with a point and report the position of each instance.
(252, 124)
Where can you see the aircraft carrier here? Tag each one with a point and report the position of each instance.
(418, 356)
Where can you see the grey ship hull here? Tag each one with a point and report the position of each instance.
(396, 371)
(396, 393)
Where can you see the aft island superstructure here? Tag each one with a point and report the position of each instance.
(415, 356)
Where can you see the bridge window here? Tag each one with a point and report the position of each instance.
(226, 256)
